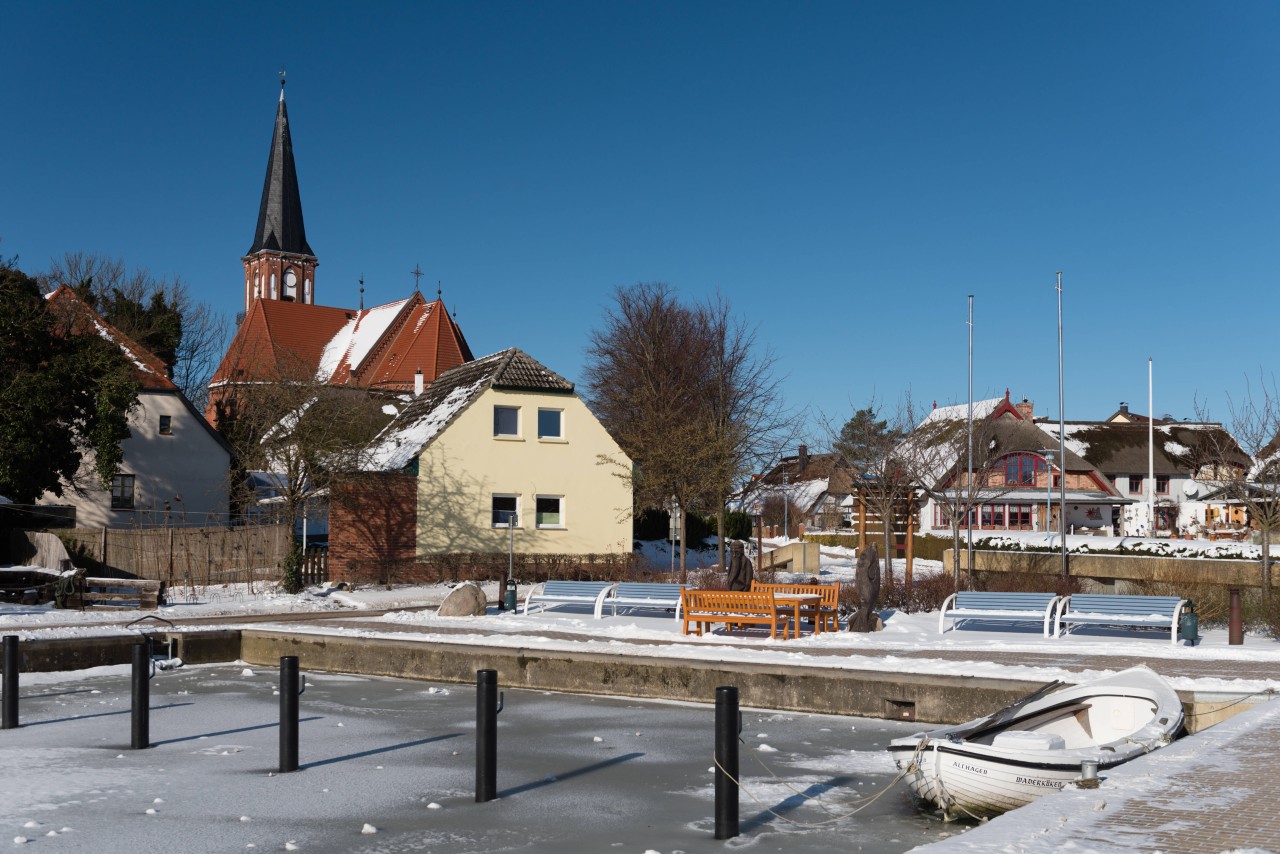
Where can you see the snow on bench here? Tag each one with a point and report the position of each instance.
(1118, 609)
(568, 593)
(1010, 607)
(642, 594)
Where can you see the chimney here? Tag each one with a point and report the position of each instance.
(1024, 408)
(417, 383)
(804, 457)
(1124, 408)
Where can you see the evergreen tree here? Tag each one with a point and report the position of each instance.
(62, 395)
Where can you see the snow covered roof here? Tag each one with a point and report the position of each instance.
(453, 391)
(347, 350)
(960, 412)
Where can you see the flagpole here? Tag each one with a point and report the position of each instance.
(1062, 442)
(968, 514)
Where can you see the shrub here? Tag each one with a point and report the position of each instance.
(738, 526)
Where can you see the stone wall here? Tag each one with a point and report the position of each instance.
(1107, 570)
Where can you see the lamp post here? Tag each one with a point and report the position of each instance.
(1048, 453)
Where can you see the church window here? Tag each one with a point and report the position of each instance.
(306, 291)
(273, 285)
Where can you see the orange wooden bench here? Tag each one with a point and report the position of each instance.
(826, 616)
(734, 608)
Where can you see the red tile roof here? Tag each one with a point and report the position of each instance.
(380, 347)
(150, 372)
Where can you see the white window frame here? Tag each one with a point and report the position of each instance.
(493, 509)
(558, 411)
(557, 527)
(519, 424)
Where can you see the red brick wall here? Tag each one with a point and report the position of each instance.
(373, 527)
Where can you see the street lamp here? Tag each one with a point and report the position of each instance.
(1048, 453)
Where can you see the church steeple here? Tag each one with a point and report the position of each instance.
(280, 264)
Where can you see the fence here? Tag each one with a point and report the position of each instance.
(182, 555)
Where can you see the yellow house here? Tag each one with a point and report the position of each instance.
(503, 443)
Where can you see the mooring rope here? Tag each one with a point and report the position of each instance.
(864, 802)
(1235, 703)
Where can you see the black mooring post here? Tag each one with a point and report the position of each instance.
(288, 713)
(488, 704)
(10, 687)
(728, 727)
(141, 728)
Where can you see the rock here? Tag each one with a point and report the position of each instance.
(465, 600)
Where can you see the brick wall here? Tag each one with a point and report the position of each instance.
(373, 527)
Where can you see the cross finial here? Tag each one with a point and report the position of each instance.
(417, 276)
(439, 291)
(362, 291)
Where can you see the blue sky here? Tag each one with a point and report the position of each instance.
(845, 173)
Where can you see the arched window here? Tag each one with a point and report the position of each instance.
(273, 285)
(1021, 469)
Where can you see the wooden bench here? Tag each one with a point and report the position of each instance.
(734, 608)
(642, 594)
(826, 616)
(1007, 607)
(1109, 609)
(568, 593)
(117, 593)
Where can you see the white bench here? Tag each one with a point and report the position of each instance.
(569, 593)
(1009, 607)
(642, 594)
(1118, 609)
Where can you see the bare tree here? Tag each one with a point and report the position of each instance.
(936, 459)
(1244, 461)
(870, 444)
(300, 431)
(686, 393)
(160, 314)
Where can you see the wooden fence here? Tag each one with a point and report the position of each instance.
(182, 555)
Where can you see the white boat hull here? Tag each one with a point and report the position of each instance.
(991, 765)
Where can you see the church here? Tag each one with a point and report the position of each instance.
(399, 347)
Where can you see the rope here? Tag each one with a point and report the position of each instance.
(865, 802)
(1235, 703)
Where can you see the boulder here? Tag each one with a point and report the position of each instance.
(465, 600)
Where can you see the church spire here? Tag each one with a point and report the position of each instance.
(280, 264)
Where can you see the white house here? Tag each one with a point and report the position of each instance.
(175, 466)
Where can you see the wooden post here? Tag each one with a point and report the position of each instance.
(104, 545)
(911, 537)
(862, 522)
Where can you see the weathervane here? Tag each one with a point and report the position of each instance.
(439, 291)
(282, 77)
(362, 291)
(417, 276)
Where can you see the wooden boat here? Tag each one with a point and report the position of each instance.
(1040, 743)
